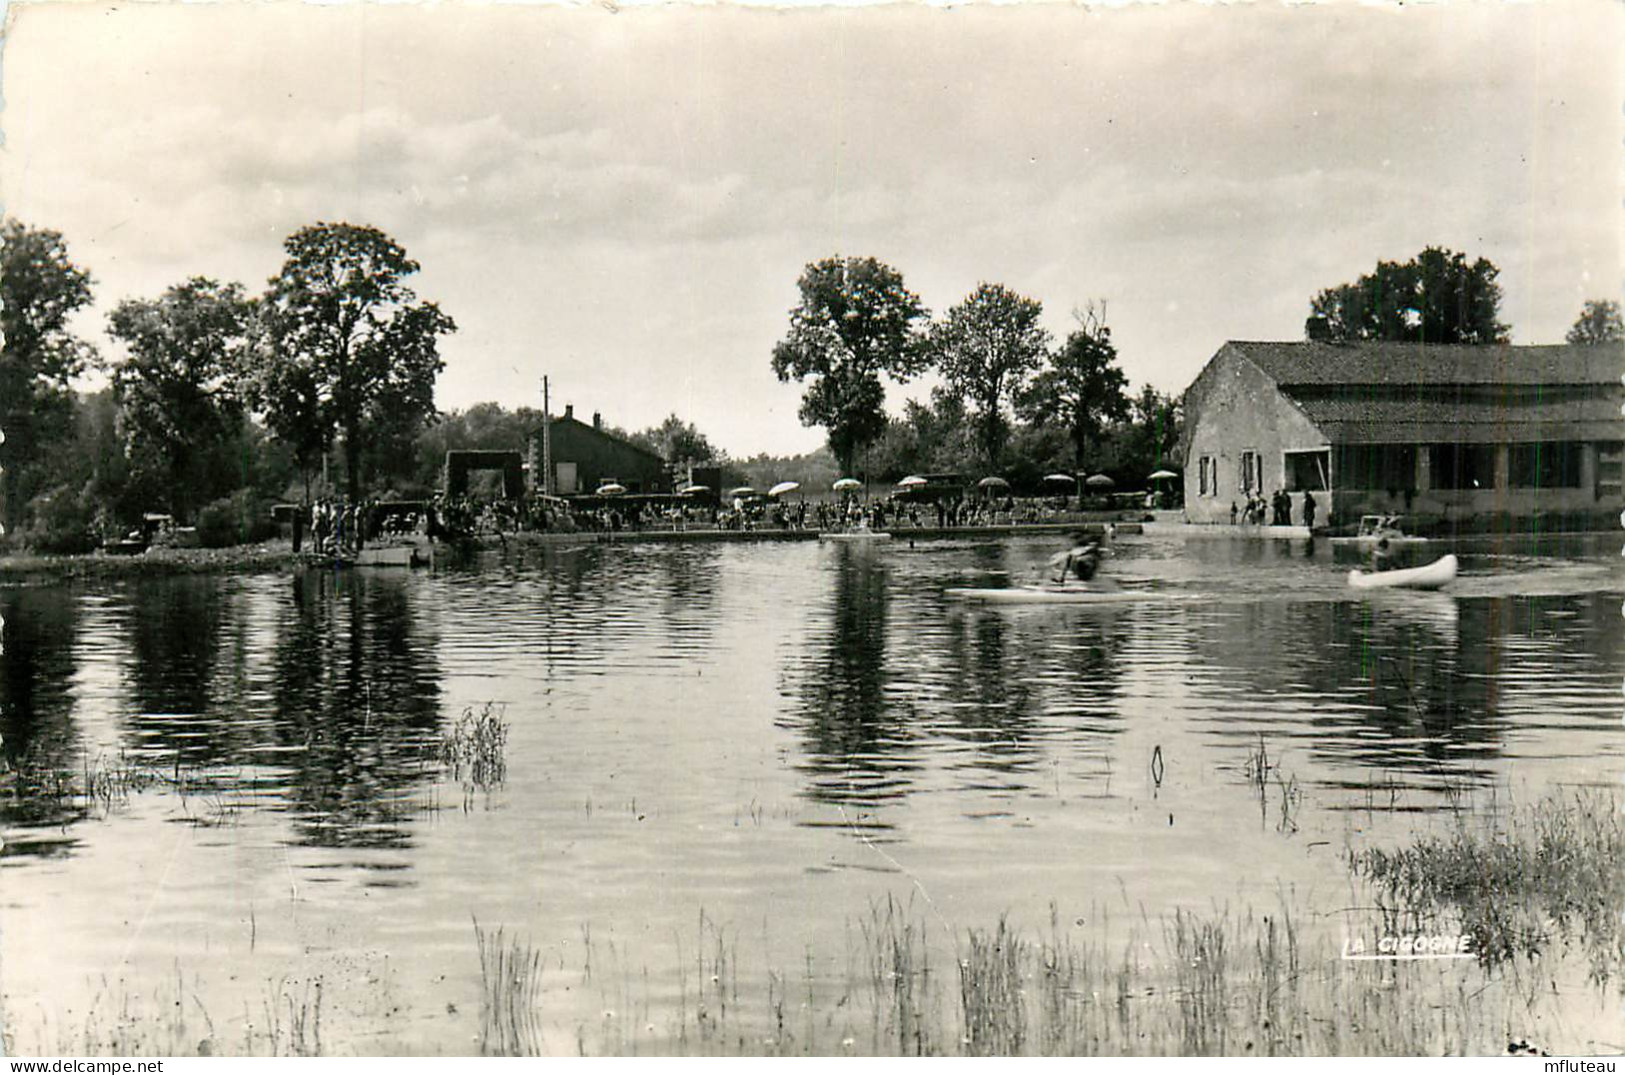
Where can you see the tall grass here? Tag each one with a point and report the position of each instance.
(510, 991)
(474, 747)
(1520, 881)
(173, 1018)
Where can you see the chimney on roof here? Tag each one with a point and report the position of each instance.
(597, 420)
(569, 410)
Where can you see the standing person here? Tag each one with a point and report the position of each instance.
(1309, 511)
(1232, 513)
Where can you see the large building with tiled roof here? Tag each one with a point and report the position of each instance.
(1445, 435)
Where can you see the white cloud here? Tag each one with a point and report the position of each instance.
(627, 200)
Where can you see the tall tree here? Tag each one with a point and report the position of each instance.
(349, 349)
(986, 347)
(177, 390)
(1436, 297)
(1151, 440)
(40, 289)
(1081, 389)
(1599, 322)
(855, 322)
(675, 440)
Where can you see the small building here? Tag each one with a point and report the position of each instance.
(586, 456)
(460, 463)
(1444, 435)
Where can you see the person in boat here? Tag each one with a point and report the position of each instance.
(1382, 555)
(1081, 561)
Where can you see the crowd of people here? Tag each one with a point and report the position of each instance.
(335, 526)
(1276, 511)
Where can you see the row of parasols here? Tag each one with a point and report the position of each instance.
(913, 481)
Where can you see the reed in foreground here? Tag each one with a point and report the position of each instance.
(1522, 881)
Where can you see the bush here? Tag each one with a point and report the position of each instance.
(239, 519)
(62, 521)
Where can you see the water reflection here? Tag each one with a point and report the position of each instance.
(855, 735)
(356, 699)
(41, 740)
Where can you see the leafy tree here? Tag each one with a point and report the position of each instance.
(349, 349)
(855, 322)
(675, 440)
(1081, 389)
(1599, 322)
(40, 289)
(1436, 297)
(1155, 424)
(177, 389)
(986, 348)
(926, 440)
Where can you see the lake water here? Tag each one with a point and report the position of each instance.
(752, 741)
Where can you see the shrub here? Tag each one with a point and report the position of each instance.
(239, 519)
(62, 521)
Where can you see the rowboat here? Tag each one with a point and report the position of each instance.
(1065, 593)
(1429, 577)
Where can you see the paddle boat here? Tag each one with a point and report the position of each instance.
(1428, 577)
(1374, 528)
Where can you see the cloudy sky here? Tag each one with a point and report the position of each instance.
(624, 199)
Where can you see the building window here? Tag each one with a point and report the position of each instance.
(1252, 472)
(1308, 471)
(1461, 466)
(1548, 465)
(1610, 469)
(1208, 476)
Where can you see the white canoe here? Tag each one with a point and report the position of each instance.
(1430, 577)
(855, 535)
(1054, 594)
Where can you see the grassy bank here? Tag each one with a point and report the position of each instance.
(26, 567)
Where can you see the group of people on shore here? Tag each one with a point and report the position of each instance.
(1276, 511)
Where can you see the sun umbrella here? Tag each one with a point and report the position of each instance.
(784, 487)
(1098, 481)
(741, 492)
(993, 481)
(1060, 478)
(847, 485)
(913, 481)
(611, 489)
(692, 490)
(1162, 475)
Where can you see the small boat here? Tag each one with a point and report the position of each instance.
(1375, 528)
(1429, 577)
(410, 554)
(855, 535)
(1055, 593)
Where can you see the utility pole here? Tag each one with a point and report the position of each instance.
(547, 443)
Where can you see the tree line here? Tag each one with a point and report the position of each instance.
(223, 402)
(1012, 402)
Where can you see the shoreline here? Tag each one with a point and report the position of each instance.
(277, 555)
